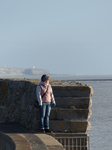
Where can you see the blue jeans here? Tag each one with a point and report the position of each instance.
(44, 115)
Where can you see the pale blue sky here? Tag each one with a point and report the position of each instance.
(63, 36)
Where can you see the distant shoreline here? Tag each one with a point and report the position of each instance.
(93, 80)
(61, 77)
(57, 78)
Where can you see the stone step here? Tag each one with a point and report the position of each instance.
(50, 142)
(68, 102)
(70, 135)
(72, 91)
(69, 114)
(70, 126)
(65, 126)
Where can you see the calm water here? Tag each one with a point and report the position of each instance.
(101, 119)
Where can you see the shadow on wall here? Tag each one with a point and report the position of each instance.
(17, 102)
(6, 142)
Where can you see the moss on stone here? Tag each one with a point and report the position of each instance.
(81, 126)
(84, 88)
(4, 89)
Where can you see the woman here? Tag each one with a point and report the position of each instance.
(45, 97)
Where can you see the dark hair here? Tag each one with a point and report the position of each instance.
(44, 77)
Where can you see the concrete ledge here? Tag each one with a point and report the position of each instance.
(66, 126)
(6, 143)
(41, 141)
(72, 91)
(70, 134)
(70, 126)
(20, 142)
(50, 142)
(70, 114)
(79, 102)
(35, 142)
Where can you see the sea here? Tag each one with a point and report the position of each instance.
(100, 134)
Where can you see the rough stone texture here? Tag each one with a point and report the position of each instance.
(68, 113)
(12, 127)
(17, 103)
(18, 138)
(70, 126)
(35, 142)
(79, 102)
(72, 91)
(20, 142)
(65, 126)
(48, 140)
(70, 116)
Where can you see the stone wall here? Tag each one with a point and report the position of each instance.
(71, 113)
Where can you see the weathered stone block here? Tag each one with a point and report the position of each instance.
(72, 91)
(71, 114)
(72, 105)
(68, 126)
(67, 102)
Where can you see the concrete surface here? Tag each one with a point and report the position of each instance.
(24, 140)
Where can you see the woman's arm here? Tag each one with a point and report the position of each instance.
(38, 94)
(52, 96)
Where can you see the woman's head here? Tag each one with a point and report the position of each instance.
(45, 78)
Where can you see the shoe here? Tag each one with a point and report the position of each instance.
(48, 131)
(42, 131)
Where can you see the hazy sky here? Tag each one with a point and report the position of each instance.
(63, 36)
